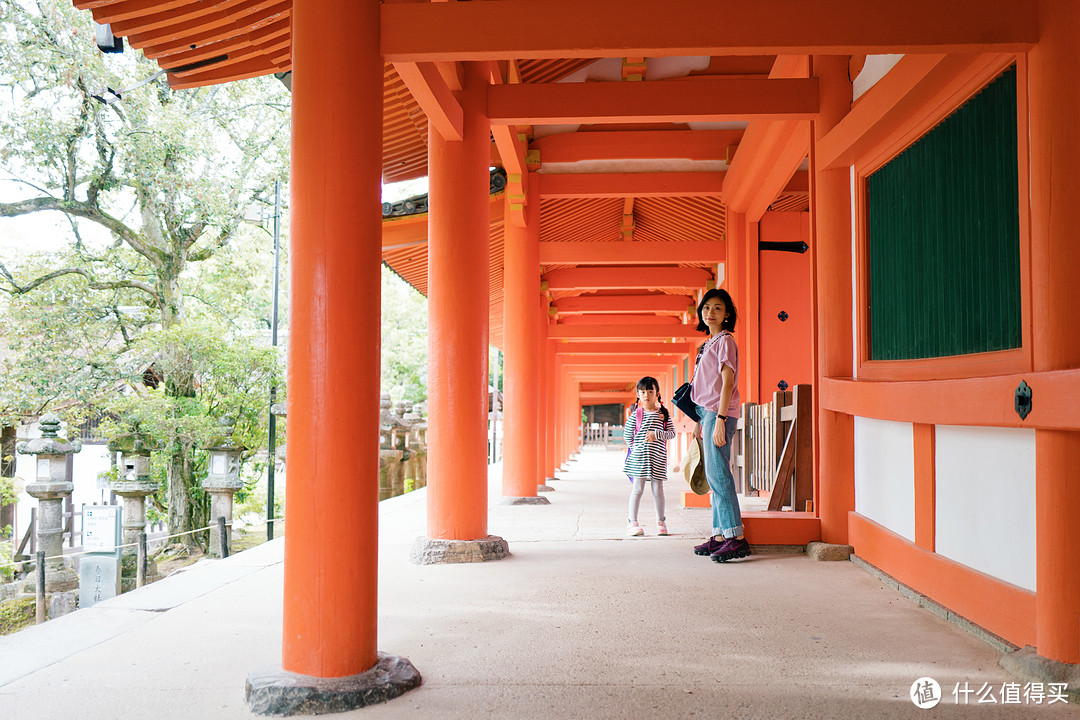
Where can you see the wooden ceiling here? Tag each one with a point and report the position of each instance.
(656, 178)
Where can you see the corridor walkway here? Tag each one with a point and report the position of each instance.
(581, 622)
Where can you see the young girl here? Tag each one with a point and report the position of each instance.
(647, 457)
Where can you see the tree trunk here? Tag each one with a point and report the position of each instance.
(186, 505)
(182, 510)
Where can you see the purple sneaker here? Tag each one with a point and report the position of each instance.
(731, 549)
(708, 547)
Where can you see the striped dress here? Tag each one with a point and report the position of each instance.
(647, 459)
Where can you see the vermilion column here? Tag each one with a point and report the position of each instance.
(542, 414)
(831, 209)
(521, 354)
(458, 240)
(1054, 73)
(552, 421)
(331, 546)
(735, 282)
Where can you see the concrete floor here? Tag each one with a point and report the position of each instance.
(581, 622)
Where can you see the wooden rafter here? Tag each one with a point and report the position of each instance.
(705, 99)
(618, 28)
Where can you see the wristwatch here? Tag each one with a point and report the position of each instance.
(722, 417)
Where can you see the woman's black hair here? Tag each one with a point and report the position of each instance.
(732, 316)
(650, 382)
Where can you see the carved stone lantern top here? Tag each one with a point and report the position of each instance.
(134, 448)
(224, 471)
(49, 443)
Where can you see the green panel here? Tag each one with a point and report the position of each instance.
(944, 236)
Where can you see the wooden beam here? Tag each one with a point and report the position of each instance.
(622, 304)
(627, 332)
(616, 319)
(701, 99)
(700, 145)
(617, 359)
(617, 397)
(631, 28)
(602, 348)
(632, 252)
(606, 185)
(433, 95)
(917, 87)
(767, 158)
(616, 278)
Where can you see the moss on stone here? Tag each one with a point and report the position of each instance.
(17, 614)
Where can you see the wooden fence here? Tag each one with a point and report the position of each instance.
(773, 450)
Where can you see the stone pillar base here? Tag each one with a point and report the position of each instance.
(272, 691)
(1028, 665)
(828, 551)
(535, 500)
(429, 551)
(544, 488)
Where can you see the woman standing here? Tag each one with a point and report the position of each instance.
(716, 393)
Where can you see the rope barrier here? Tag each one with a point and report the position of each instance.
(129, 545)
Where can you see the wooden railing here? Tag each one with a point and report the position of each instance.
(600, 434)
(773, 450)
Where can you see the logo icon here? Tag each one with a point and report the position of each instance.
(925, 693)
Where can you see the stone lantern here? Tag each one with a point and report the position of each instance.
(50, 487)
(222, 480)
(133, 484)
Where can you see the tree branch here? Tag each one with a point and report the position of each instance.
(17, 289)
(83, 210)
(221, 241)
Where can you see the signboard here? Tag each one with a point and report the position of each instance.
(99, 579)
(99, 567)
(101, 529)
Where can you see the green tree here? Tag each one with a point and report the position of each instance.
(151, 184)
(404, 340)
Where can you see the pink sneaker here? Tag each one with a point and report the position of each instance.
(634, 530)
(661, 528)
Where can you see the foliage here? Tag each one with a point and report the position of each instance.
(153, 185)
(7, 572)
(231, 376)
(404, 340)
(16, 614)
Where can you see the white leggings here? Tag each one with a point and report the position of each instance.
(658, 498)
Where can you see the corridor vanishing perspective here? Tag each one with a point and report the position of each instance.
(886, 192)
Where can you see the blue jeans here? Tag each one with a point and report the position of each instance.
(727, 519)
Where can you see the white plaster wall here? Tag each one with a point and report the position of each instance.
(885, 474)
(875, 68)
(985, 500)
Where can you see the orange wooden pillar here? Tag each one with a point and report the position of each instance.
(542, 414)
(331, 546)
(521, 354)
(736, 282)
(551, 398)
(1054, 72)
(458, 249)
(831, 208)
(330, 585)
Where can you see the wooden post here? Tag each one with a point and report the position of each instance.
(831, 212)
(1054, 72)
(458, 321)
(140, 561)
(331, 548)
(223, 538)
(521, 366)
(39, 605)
